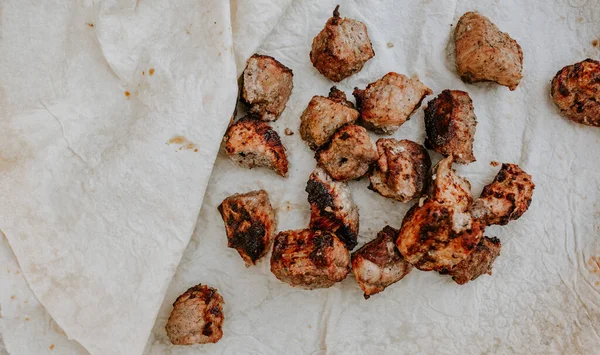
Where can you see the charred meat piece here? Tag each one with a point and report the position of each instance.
(253, 143)
(506, 198)
(341, 48)
(447, 187)
(401, 170)
(576, 91)
(387, 103)
(450, 123)
(249, 223)
(479, 262)
(438, 236)
(267, 86)
(484, 53)
(378, 264)
(332, 208)
(197, 317)
(349, 155)
(324, 116)
(309, 258)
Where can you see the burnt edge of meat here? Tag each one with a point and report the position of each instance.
(337, 95)
(319, 196)
(439, 107)
(251, 240)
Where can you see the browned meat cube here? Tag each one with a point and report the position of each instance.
(401, 170)
(309, 258)
(324, 116)
(249, 223)
(267, 86)
(378, 263)
(449, 188)
(479, 262)
(506, 198)
(576, 91)
(484, 53)
(437, 236)
(349, 155)
(197, 317)
(450, 123)
(387, 103)
(332, 208)
(341, 48)
(253, 143)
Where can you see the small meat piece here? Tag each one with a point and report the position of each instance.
(267, 86)
(401, 170)
(309, 258)
(332, 208)
(447, 187)
(249, 223)
(479, 262)
(437, 236)
(576, 91)
(197, 317)
(378, 264)
(341, 48)
(324, 116)
(450, 123)
(253, 143)
(349, 155)
(506, 198)
(387, 103)
(484, 53)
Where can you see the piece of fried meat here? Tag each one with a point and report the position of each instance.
(253, 143)
(484, 53)
(575, 90)
(450, 124)
(378, 264)
(401, 170)
(309, 258)
(479, 262)
(325, 115)
(332, 208)
(506, 198)
(197, 317)
(249, 224)
(267, 86)
(349, 155)
(387, 103)
(341, 48)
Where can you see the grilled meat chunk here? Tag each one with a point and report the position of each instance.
(388, 102)
(576, 91)
(267, 86)
(450, 123)
(437, 236)
(479, 262)
(484, 53)
(378, 264)
(506, 198)
(401, 170)
(440, 232)
(253, 143)
(341, 48)
(309, 258)
(349, 155)
(197, 317)
(325, 115)
(332, 208)
(249, 223)
(447, 187)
